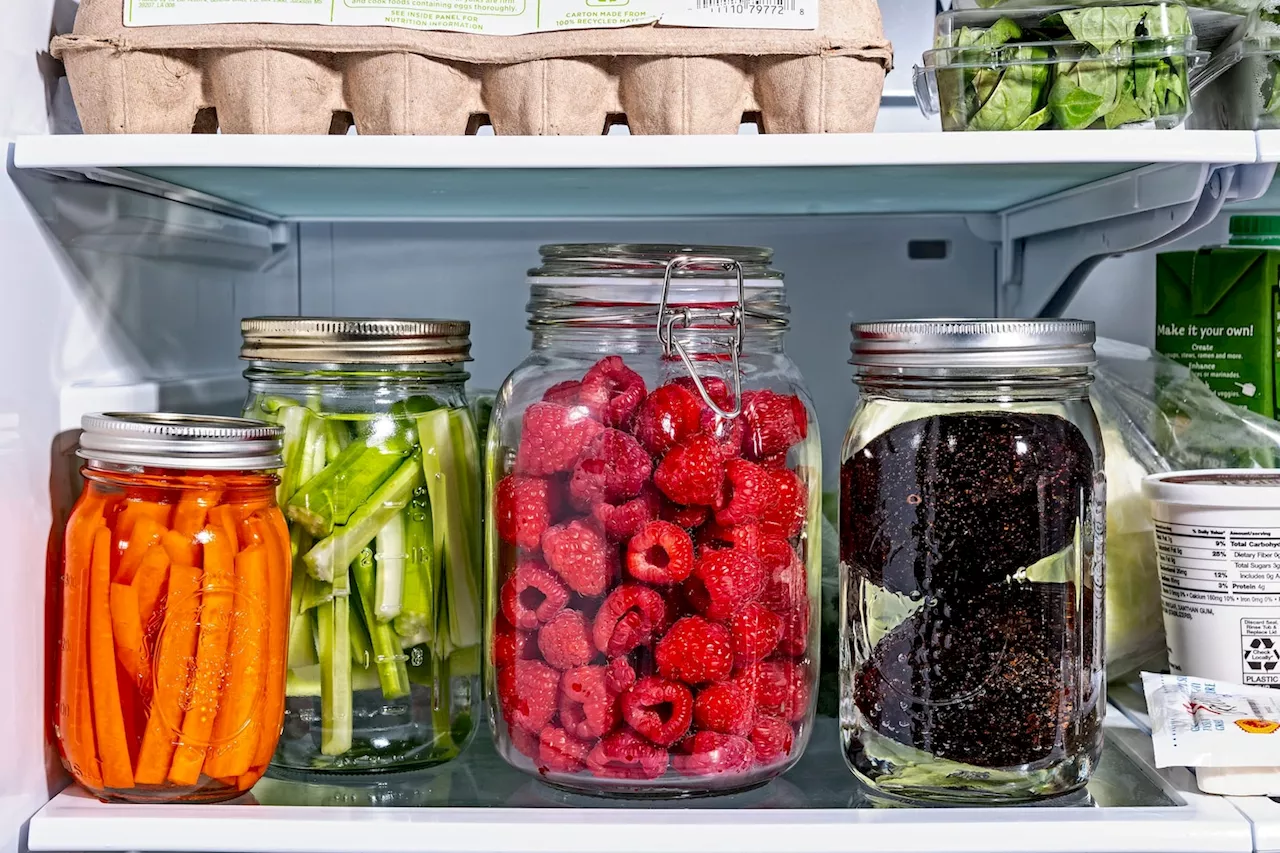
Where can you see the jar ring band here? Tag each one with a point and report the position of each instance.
(669, 317)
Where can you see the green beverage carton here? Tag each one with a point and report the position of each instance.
(1216, 312)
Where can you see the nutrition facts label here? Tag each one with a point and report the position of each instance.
(1219, 565)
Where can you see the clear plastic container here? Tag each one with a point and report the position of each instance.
(1240, 87)
(381, 489)
(1054, 67)
(1231, 7)
(653, 560)
(175, 597)
(972, 525)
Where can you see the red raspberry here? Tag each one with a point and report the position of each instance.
(660, 553)
(553, 437)
(692, 472)
(614, 389)
(561, 752)
(786, 517)
(786, 587)
(756, 631)
(527, 693)
(626, 755)
(687, 517)
(713, 753)
(511, 645)
(775, 462)
(629, 617)
(588, 708)
(744, 537)
(717, 389)
(695, 651)
(782, 689)
(624, 520)
(749, 493)
(775, 422)
(565, 641)
(532, 595)
(660, 710)
(731, 578)
(526, 743)
(795, 631)
(667, 417)
(563, 393)
(772, 738)
(727, 432)
(524, 508)
(613, 468)
(724, 707)
(619, 675)
(578, 552)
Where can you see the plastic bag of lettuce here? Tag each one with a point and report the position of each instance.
(1156, 416)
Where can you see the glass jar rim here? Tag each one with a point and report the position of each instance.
(354, 340)
(972, 344)
(165, 440)
(650, 260)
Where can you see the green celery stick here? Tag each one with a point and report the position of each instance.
(388, 657)
(294, 419)
(389, 559)
(342, 546)
(302, 648)
(417, 603)
(305, 681)
(302, 641)
(423, 638)
(337, 437)
(441, 719)
(338, 491)
(317, 444)
(315, 593)
(334, 619)
(361, 646)
(450, 464)
(465, 661)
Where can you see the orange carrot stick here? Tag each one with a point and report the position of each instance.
(226, 517)
(136, 509)
(173, 665)
(126, 628)
(181, 548)
(117, 772)
(211, 652)
(146, 534)
(193, 507)
(149, 582)
(76, 703)
(234, 734)
(270, 530)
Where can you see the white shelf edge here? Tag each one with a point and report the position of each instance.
(632, 152)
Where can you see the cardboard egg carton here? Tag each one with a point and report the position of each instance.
(279, 78)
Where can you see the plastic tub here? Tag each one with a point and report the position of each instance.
(1218, 540)
(1240, 87)
(1059, 67)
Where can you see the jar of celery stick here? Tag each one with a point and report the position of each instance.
(381, 491)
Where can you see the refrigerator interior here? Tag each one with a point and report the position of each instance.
(129, 264)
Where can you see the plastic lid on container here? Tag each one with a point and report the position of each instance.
(1255, 230)
(162, 440)
(974, 343)
(354, 340)
(1234, 488)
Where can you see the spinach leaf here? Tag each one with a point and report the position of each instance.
(1105, 26)
(1084, 92)
(1036, 120)
(1017, 95)
(1271, 91)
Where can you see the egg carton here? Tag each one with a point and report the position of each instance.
(273, 78)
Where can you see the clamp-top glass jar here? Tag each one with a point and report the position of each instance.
(972, 522)
(381, 488)
(175, 591)
(653, 548)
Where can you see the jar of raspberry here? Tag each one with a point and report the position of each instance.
(652, 540)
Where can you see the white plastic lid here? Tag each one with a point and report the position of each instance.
(1235, 488)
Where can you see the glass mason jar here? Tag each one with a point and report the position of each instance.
(972, 525)
(653, 540)
(175, 590)
(381, 489)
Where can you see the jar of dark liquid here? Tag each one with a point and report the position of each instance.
(972, 516)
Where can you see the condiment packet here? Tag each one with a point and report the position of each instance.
(1229, 732)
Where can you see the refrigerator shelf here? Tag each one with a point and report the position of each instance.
(336, 178)
(479, 804)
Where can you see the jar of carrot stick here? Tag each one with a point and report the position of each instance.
(175, 607)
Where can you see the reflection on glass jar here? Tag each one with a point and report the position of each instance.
(175, 595)
(381, 488)
(972, 502)
(653, 548)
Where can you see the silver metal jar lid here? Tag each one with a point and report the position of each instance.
(161, 440)
(974, 343)
(355, 340)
